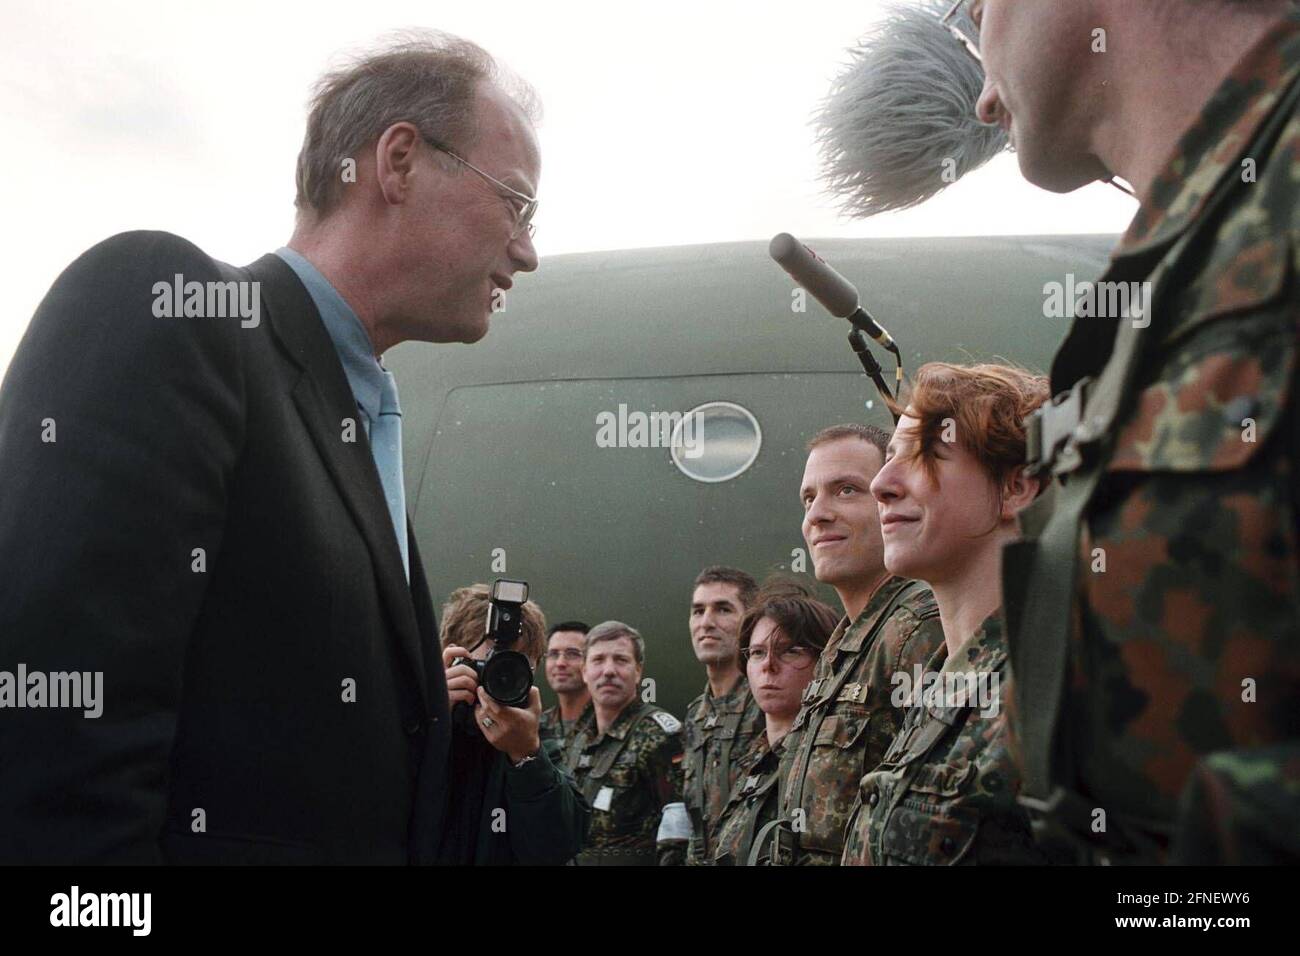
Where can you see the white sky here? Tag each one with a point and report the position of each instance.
(666, 123)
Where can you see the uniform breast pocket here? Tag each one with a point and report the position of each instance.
(841, 730)
(621, 777)
(1198, 510)
(929, 836)
(835, 765)
(931, 825)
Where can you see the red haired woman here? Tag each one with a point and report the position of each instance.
(949, 495)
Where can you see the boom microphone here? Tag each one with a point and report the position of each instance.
(899, 123)
(836, 293)
(841, 300)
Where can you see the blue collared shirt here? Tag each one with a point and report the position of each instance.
(364, 372)
(351, 341)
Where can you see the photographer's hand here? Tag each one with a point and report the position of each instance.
(512, 730)
(462, 681)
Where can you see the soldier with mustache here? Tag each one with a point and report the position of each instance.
(628, 761)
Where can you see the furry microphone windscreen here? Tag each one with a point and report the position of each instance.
(899, 123)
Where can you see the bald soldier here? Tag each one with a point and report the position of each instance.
(627, 760)
(1154, 613)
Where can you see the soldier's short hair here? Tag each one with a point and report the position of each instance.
(985, 406)
(464, 621)
(612, 631)
(802, 619)
(871, 434)
(722, 574)
(575, 626)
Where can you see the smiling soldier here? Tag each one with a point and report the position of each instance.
(891, 625)
(722, 722)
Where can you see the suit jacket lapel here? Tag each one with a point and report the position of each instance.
(324, 399)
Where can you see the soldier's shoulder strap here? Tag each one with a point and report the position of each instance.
(730, 726)
(753, 839)
(919, 600)
(764, 835)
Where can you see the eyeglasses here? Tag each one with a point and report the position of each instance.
(790, 655)
(968, 44)
(523, 214)
(568, 654)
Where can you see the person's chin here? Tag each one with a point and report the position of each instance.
(904, 563)
(1051, 171)
(474, 333)
(834, 573)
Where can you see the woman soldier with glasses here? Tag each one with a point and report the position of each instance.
(781, 638)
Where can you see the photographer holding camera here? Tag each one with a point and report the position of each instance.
(510, 802)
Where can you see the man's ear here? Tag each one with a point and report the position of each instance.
(1018, 492)
(396, 152)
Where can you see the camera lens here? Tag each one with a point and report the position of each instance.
(507, 677)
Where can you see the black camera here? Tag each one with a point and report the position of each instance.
(505, 673)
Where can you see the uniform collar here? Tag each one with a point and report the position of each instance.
(984, 652)
(619, 728)
(848, 636)
(727, 703)
(760, 751)
(1215, 146)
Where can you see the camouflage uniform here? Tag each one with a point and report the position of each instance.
(1232, 806)
(629, 774)
(1154, 615)
(753, 805)
(945, 792)
(553, 728)
(847, 720)
(719, 732)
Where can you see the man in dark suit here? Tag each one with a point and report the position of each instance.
(201, 502)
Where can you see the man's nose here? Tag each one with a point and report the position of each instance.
(523, 254)
(818, 511)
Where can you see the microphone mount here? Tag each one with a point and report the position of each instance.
(840, 298)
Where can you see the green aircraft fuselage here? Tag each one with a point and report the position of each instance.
(540, 452)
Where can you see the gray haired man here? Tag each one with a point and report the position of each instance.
(209, 508)
(628, 761)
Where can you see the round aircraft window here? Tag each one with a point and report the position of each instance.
(716, 441)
